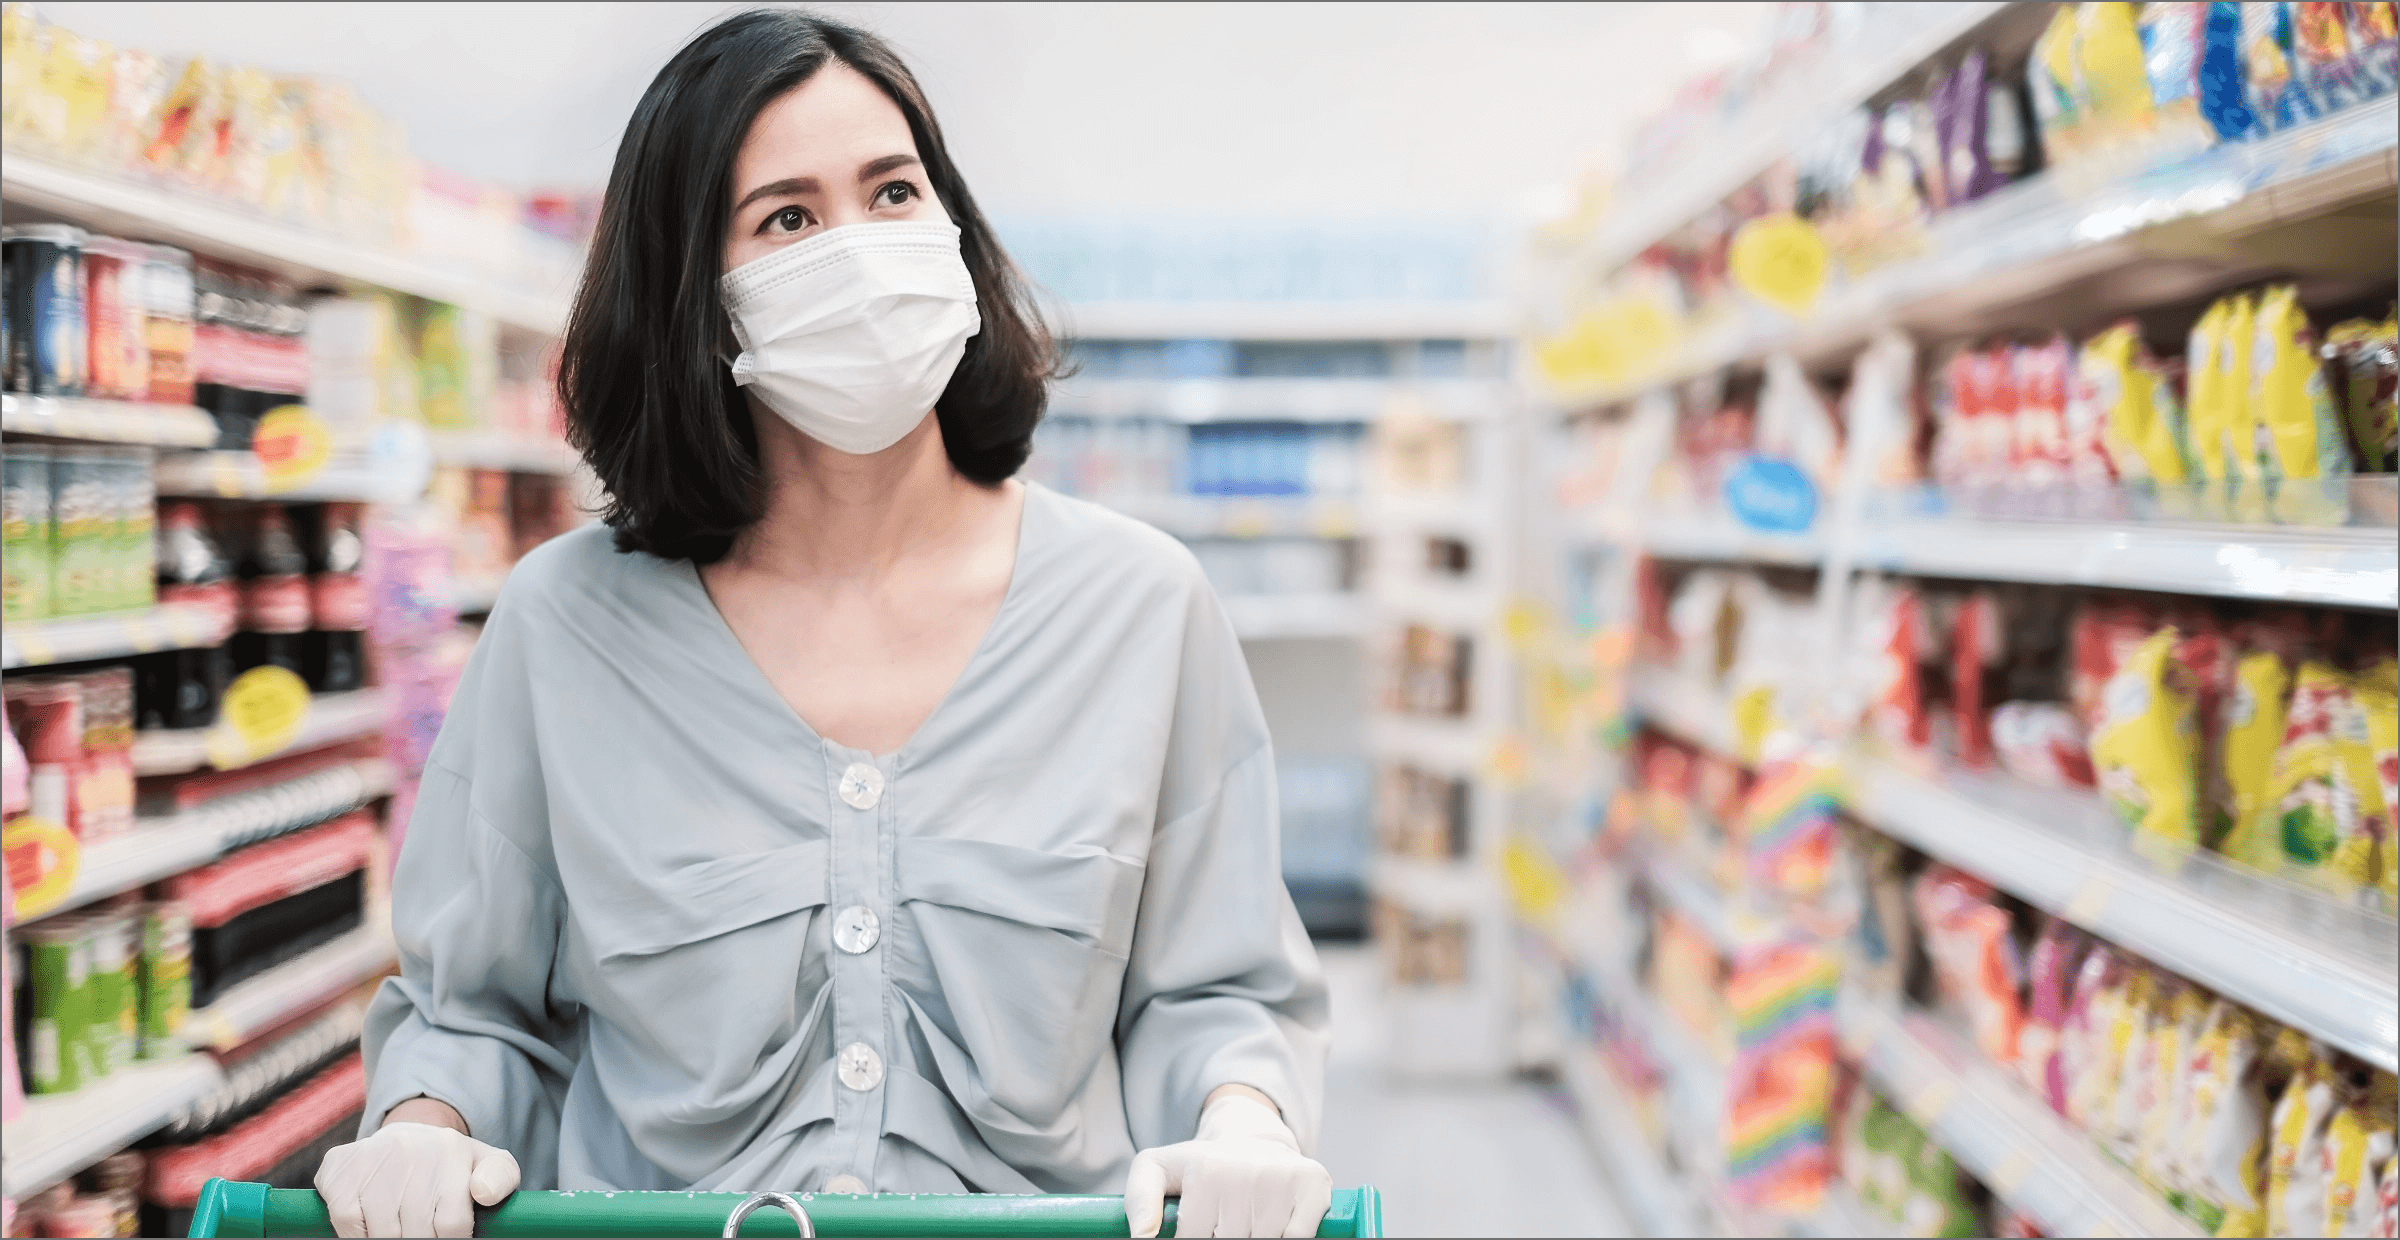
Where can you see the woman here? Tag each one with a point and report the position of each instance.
(845, 816)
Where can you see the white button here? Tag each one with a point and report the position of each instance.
(845, 1184)
(859, 1067)
(856, 928)
(862, 785)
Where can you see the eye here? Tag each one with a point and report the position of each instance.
(896, 194)
(788, 220)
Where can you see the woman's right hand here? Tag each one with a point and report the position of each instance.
(413, 1178)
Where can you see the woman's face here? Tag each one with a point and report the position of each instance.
(833, 151)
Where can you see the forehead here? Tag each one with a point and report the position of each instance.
(837, 116)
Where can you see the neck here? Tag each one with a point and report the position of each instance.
(830, 514)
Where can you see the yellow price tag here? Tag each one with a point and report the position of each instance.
(1753, 718)
(2091, 902)
(43, 859)
(292, 444)
(263, 711)
(1336, 520)
(1929, 1101)
(1780, 259)
(139, 635)
(1248, 519)
(32, 646)
(2010, 1174)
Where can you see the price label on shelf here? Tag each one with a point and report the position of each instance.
(2010, 1174)
(42, 858)
(292, 444)
(1781, 260)
(263, 711)
(2092, 901)
(1927, 1103)
(32, 647)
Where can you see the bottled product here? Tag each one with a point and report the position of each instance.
(274, 596)
(336, 651)
(167, 295)
(46, 326)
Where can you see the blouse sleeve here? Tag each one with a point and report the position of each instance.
(1223, 986)
(470, 1020)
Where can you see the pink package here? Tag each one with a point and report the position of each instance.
(1974, 958)
(12, 1090)
(2043, 743)
(15, 788)
(2052, 969)
(2042, 450)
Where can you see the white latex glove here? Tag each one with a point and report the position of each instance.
(1242, 1175)
(413, 1180)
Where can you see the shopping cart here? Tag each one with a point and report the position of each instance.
(227, 1208)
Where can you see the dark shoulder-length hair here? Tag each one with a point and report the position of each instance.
(649, 397)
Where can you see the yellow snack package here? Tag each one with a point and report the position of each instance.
(2146, 750)
(2324, 783)
(2294, 408)
(68, 95)
(2141, 425)
(182, 141)
(2254, 715)
(2163, 1098)
(2296, 1143)
(2092, 1048)
(2223, 1169)
(21, 37)
(2378, 690)
(2358, 1141)
(2060, 106)
(2108, 51)
(2136, 1043)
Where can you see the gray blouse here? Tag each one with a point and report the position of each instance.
(656, 933)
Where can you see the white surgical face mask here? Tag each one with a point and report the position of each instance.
(852, 334)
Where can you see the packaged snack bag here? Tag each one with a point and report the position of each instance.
(2316, 793)
(2254, 723)
(2367, 355)
(1938, 1202)
(2296, 1145)
(2163, 1101)
(2222, 1169)
(2051, 971)
(1977, 646)
(1975, 962)
(2379, 700)
(2043, 743)
(2295, 410)
(2125, 400)
(2044, 447)
(2108, 51)
(2224, 100)
(2387, 1194)
(2103, 633)
(2139, 1026)
(2358, 1142)
(2088, 1055)
(2322, 58)
(2276, 95)
(2146, 751)
(2056, 81)
(1891, 1142)
(1779, 1090)
(2174, 47)
(1896, 707)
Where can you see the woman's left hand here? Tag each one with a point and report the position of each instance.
(1242, 1175)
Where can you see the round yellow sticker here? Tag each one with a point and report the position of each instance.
(43, 858)
(263, 711)
(1780, 259)
(292, 444)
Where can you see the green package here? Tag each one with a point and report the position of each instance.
(25, 534)
(58, 967)
(166, 977)
(83, 534)
(111, 1031)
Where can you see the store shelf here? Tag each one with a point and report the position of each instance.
(2052, 236)
(1649, 1190)
(522, 454)
(1441, 746)
(1277, 400)
(2350, 566)
(2000, 1132)
(1781, 121)
(170, 844)
(259, 1004)
(1434, 886)
(1241, 516)
(1297, 617)
(62, 1134)
(238, 475)
(1428, 512)
(331, 717)
(1717, 536)
(1362, 320)
(114, 635)
(107, 421)
(2306, 959)
(224, 231)
(1697, 899)
(1677, 704)
(1437, 604)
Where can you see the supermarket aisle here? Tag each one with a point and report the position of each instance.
(1452, 1160)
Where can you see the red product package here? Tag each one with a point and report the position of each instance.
(181, 792)
(253, 1147)
(2041, 448)
(1993, 403)
(2102, 634)
(1976, 649)
(1974, 959)
(261, 874)
(1897, 714)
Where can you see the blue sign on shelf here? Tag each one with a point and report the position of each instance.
(1772, 496)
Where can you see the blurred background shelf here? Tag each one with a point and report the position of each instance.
(1269, 617)
(107, 421)
(1654, 1195)
(239, 475)
(1999, 1131)
(527, 454)
(256, 1005)
(331, 717)
(110, 635)
(225, 231)
(2353, 566)
(59, 1136)
(1277, 400)
(1248, 516)
(1299, 320)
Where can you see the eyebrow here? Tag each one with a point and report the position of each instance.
(792, 186)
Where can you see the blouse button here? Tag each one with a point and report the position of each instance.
(861, 786)
(859, 1067)
(845, 1184)
(856, 928)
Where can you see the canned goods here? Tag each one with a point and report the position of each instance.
(25, 533)
(166, 976)
(116, 953)
(83, 509)
(58, 970)
(45, 288)
(117, 356)
(167, 297)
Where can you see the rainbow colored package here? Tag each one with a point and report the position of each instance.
(1779, 1093)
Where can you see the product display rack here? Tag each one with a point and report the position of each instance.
(332, 718)
(60, 1136)
(301, 984)
(107, 421)
(2070, 247)
(109, 635)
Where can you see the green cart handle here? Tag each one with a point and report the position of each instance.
(228, 1208)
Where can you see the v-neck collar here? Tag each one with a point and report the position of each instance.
(687, 573)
